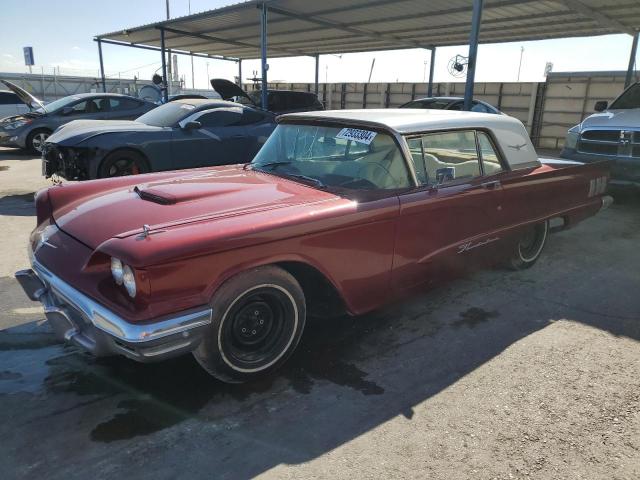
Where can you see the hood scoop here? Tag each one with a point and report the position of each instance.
(182, 192)
(155, 197)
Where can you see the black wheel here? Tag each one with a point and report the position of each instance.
(529, 246)
(36, 139)
(121, 163)
(258, 319)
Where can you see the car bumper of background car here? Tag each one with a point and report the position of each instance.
(78, 319)
(8, 139)
(624, 170)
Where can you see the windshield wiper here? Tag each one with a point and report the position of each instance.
(271, 164)
(318, 183)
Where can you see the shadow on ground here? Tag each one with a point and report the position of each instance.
(19, 205)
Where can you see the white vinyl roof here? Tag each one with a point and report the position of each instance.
(305, 27)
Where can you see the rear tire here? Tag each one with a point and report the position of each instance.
(35, 140)
(529, 246)
(122, 163)
(258, 320)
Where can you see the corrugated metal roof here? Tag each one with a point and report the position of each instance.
(302, 27)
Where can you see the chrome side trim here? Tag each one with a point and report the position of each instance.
(107, 321)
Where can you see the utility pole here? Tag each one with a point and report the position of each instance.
(520, 64)
(169, 69)
(208, 81)
(193, 77)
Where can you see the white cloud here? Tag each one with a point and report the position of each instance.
(7, 55)
(76, 48)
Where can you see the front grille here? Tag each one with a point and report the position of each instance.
(618, 143)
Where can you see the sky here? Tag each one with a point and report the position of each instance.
(62, 39)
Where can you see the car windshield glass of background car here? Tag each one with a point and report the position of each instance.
(166, 115)
(58, 104)
(351, 158)
(629, 99)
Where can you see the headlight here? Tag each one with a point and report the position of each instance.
(17, 124)
(117, 270)
(129, 281)
(571, 140)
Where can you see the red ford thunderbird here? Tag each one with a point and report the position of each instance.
(339, 209)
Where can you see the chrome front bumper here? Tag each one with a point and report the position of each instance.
(80, 320)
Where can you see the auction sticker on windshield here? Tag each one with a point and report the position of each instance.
(360, 136)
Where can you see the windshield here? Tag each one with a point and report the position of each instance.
(166, 115)
(324, 156)
(429, 104)
(58, 104)
(629, 99)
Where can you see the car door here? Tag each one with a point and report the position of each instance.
(449, 222)
(210, 137)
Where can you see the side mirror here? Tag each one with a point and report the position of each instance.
(67, 111)
(601, 106)
(192, 125)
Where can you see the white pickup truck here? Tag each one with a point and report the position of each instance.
(613, 133)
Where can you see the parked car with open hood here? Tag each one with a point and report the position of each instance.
(30, 130)
(450, 103)
(184, 133)
(278, 101)
(339, 211)
(612, 133)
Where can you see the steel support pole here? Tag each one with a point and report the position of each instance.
(104, 84)
(165, 91)
(473, 52)
(632, 60)
(431, 67)
(317, 73)
(263, 55)
(240, 72)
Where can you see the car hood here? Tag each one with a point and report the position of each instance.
(193, 196)
(627, 118)
(26, 97)
(77, 131)
(228, 90)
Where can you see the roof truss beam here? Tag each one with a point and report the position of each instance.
(601, 18)
(341, 26)
(210, 39)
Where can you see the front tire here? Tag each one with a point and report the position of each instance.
(122, 163)
(35, 140)
(258, 320)
(529, 246)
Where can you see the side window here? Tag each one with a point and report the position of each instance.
(490, 160)
(249, 117)
(8, 98)
(456, 106)
(86, 106)
(118, 104)
(479, 107)
(220, 118)
(450, 156)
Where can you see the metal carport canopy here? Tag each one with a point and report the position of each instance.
(303, 27)
(284, 28)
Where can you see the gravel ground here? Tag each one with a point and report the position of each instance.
(533, 374)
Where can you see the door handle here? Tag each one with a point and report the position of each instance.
(490, 185)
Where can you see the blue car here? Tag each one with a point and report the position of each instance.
(185, 133)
